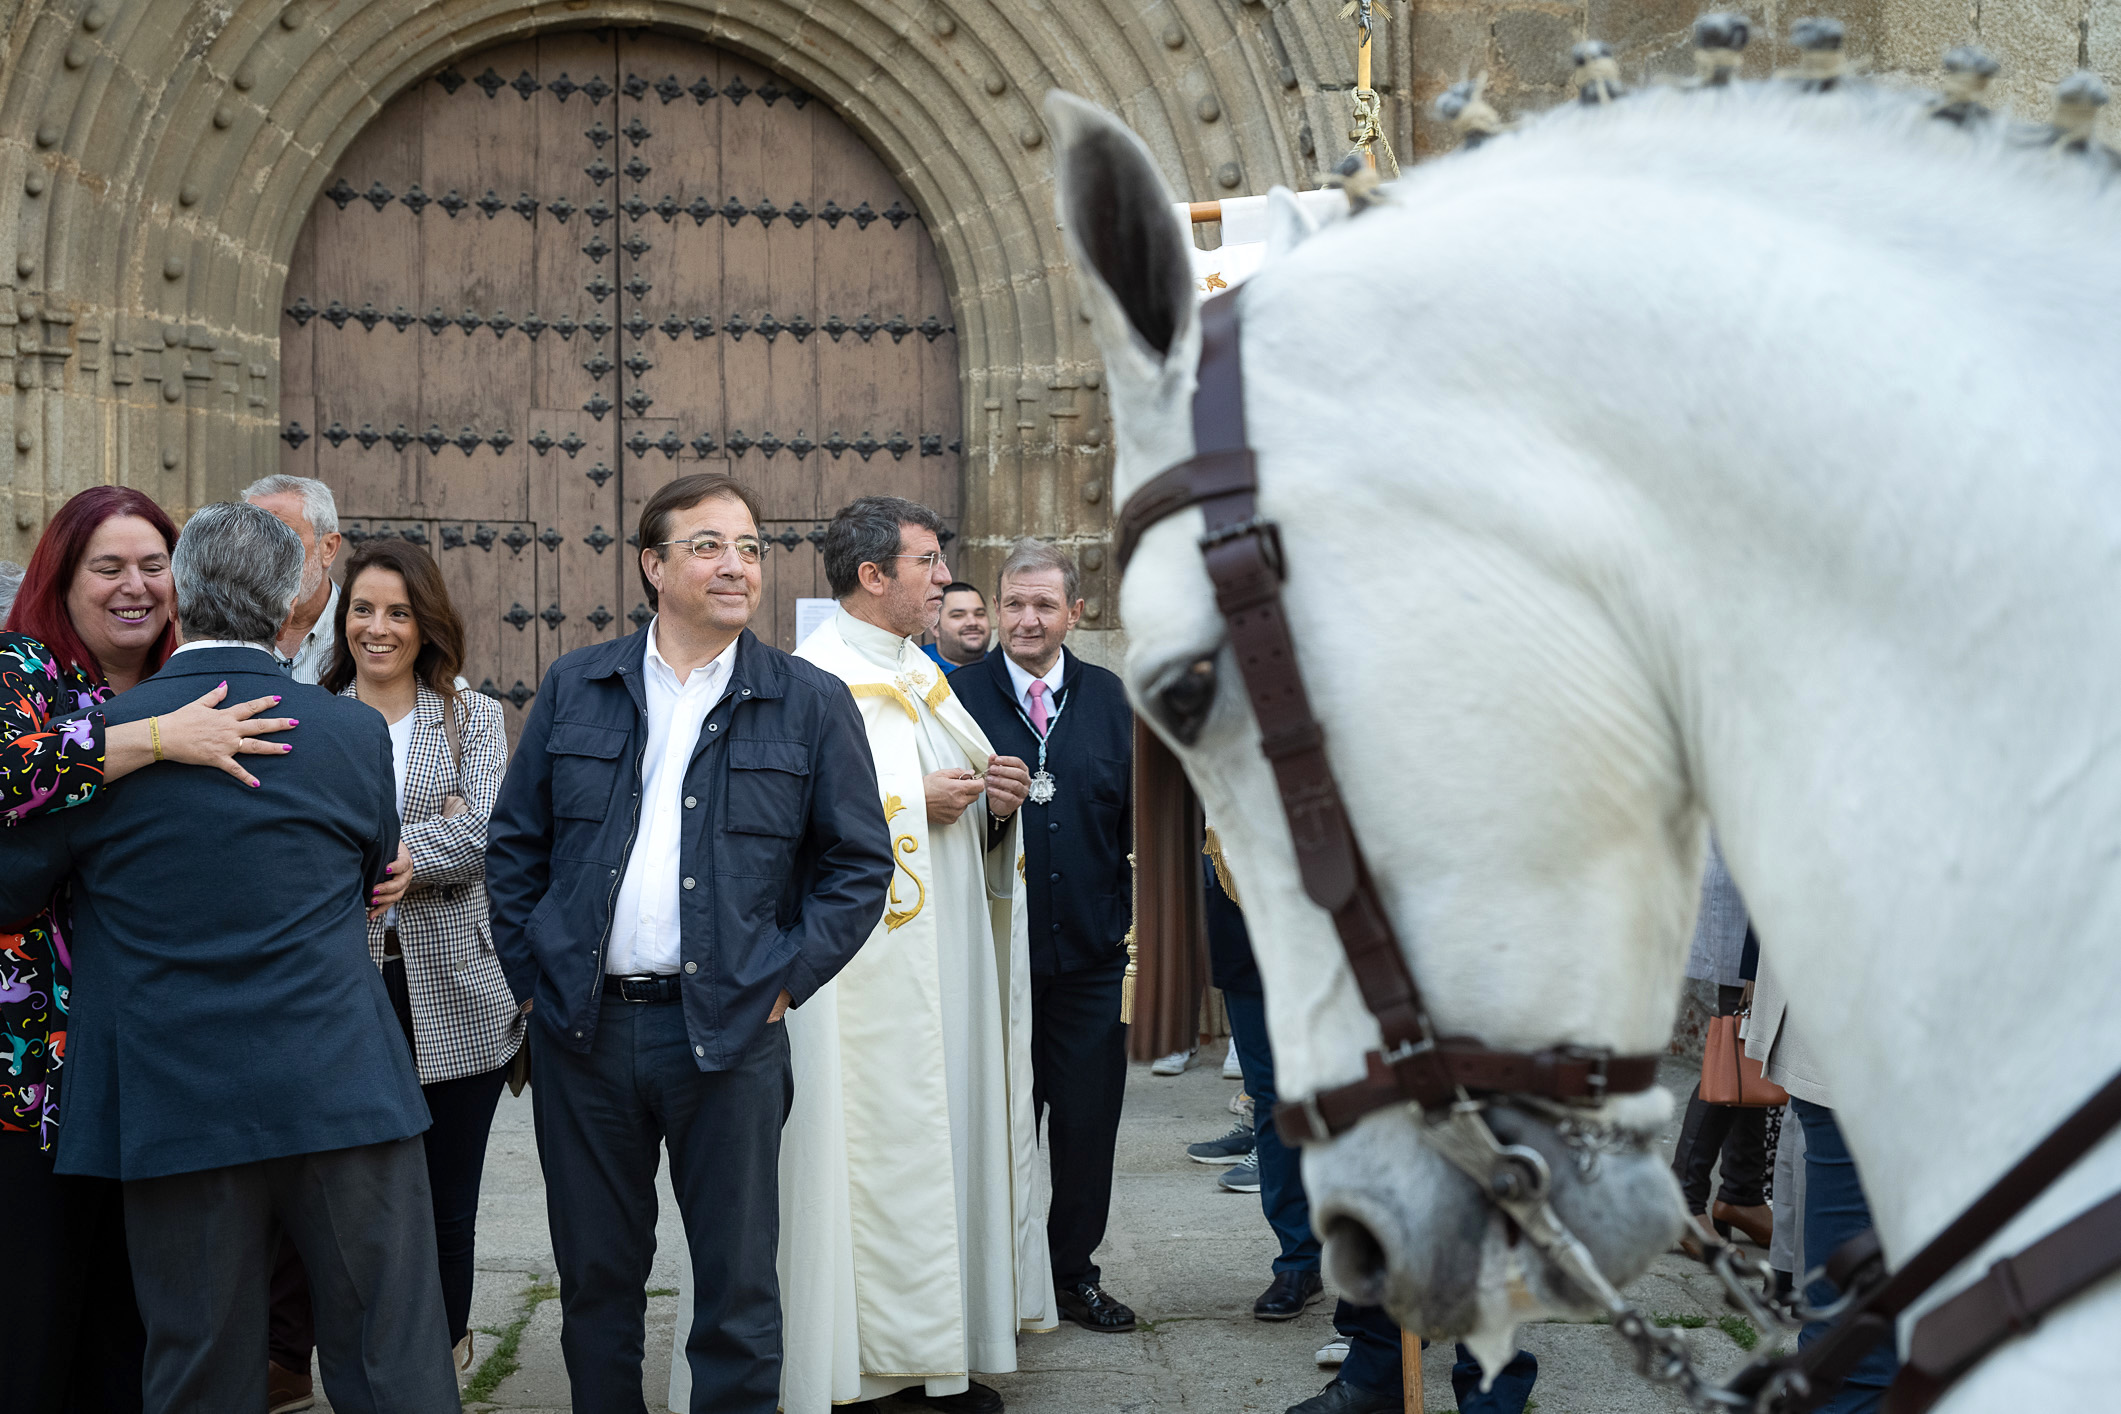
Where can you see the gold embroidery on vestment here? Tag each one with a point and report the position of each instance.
(895, 917)
(885, 689)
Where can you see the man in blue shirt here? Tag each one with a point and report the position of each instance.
(961, 635)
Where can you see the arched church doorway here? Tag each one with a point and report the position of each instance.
(555, 275)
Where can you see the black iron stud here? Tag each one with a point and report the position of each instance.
(769, 444)
(866, 445)
(469, 321)
(866, 326)
(931, 444)
(600, 474)
(634, 86)
(489, 689)
(802, 446)
(415, 534)
(637, 287)
(562, 87)
(669, 444)
(492, 82)
(831, 214)
(932, 328)
(699, 209)
(450, 80)
(597, 248)
(552, 616)
(401, 318)
(452, 202)
(599, 540)
(862, 216)
(738, 443)
(703, 445)
(769, 327)
(945, 536)
(532, 325)
(541, 441)
(635, 245)
(294, 435)
(639, 402)
(898, 446)
(434, 439)
(897, 327)
(600, 617)
(301, 311)
(452, 537)
(702, 327)
(336, 434)
(597, 134)
(835, 326)
(551, 538)
(564, 327)
(701, 90)
(797, 214)
(341, 192)
(515, 540)
(637, 363)
(635, 206)
(596, 327)
(336, 314)
(491, 205)
(736, 89)
(525, 85)
(598, 364)
(380, 532)
(637, 324)
(500, 441)
(736, 327)
(560, 209)
(436, 321)
(519, 694)
(368, 436)
(415, 199)
(640, 613)
(571, 444)
(835, 444)
(500, 323)
(636, 131)
(732, 211)
(399, 437)
(669, 89)
(597, 212)
(379, 196)
(517, 614)
(483, 536)
(798, 97)
(788, 539)
(600, 289)
(668, 208)
(767, 212)
(598, 171)
(897, 215)
(801, 327)
(597, 89)
(597, 406)
(525, 205)
(638, 443)
(769, 92)
(672, 326)
(816, 536)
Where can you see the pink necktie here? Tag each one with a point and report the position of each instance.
(1038, 705)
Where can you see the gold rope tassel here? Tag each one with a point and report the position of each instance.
(1126, 981)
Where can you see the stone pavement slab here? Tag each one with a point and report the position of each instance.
(1189, 1257)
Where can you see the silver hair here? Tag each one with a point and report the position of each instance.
(1032, 554)
(237, 569)
(318, 506)
(10, 585)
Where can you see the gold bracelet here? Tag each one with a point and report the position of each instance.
(154, 733)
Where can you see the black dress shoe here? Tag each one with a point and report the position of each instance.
(977, 1399)
(1290, 1293)
(1340, 1397)
(1091, 1307)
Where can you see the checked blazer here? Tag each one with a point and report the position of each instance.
(464, 1019)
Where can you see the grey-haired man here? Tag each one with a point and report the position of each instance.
(306, 506)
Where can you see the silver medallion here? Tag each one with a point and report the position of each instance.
(1041, 787)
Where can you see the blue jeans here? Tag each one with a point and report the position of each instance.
(1281, 1180)
(1374, 1362)
(1835, 1210)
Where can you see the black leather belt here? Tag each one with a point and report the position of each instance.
(391, 946)
(660, 988)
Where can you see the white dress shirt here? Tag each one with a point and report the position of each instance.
(313, 656)
(1021, 679)
(186, 647)
(644, 921)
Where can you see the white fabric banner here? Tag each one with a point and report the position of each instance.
(1245, 237)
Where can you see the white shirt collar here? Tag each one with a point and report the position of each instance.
(190, 644)
(1020, 678)
(717, 668)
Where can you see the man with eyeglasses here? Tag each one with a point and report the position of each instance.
(686, 845)
(921, 1131)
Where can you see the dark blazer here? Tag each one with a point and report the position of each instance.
(784, 835)
(224, 1008)
(1075, 848)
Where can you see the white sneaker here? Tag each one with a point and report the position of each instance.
(1173, 1064)
(1334, 1351)
(1231, 1069)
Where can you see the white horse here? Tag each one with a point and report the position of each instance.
(1737, 455)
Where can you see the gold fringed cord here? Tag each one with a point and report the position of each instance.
(1126, 981)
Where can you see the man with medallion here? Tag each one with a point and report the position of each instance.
(1070, 721)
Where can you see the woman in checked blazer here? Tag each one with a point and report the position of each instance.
(398, 646)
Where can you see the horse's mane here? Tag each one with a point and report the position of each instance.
(1993, 197)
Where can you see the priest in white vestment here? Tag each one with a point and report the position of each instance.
(913, 1245)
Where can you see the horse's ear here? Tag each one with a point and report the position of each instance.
(1116, 216)
(1288, 224)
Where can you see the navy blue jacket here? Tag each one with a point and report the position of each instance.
(224, 1008)
(1075, 848)
(783, 834)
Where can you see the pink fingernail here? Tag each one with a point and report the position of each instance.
(276, 699)
(285, 749)
(293, 722)
(224, 682)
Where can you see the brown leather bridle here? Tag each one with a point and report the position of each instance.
(1243, 553)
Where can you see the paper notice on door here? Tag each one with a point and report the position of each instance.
(809, 614)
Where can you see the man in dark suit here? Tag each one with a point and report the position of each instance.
(1040, 703)
(233, 1057)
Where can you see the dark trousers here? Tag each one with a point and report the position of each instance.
(1737, 1133)
(74, 1340)
(1835, 1210)
(362, 1220)
(601, 1119)
(1281, 1179)
(1375, 1362)
(1078, 1084)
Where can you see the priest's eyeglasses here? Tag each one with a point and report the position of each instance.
(713, 547)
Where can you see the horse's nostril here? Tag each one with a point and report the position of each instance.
(1355, 1260)
(1185, 701)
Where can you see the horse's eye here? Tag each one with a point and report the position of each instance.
(1184, 701)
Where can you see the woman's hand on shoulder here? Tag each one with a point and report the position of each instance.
(208, 734)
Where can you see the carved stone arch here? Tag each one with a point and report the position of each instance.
(157, 162)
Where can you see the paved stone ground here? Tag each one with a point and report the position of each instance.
(1187, 1256)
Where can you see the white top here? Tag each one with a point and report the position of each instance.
(644, 922)
(1020, 679)
(223, 643)
(314, 656)
(400, 763)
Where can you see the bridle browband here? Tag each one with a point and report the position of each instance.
(1451, 1078)
(1243, 553)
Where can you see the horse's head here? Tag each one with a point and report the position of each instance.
(1512, 774)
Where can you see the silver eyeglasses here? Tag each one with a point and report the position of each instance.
(713, 547)
(928, 561)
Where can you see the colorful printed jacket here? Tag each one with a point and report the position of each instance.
(41, 768)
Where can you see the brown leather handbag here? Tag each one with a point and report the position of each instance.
(1728, 1076)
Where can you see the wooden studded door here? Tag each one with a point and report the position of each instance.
(559, 273)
